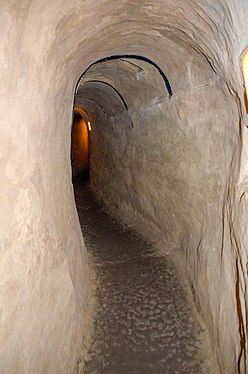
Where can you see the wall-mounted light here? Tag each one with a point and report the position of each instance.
(245, 73)
(89, 125)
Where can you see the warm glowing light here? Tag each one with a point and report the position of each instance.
(89, 125)
(245, 72)
(79, 146)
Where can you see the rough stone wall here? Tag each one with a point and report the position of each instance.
(43, 267)
(165, 168)
(45, 46)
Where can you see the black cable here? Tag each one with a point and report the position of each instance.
(134, 57)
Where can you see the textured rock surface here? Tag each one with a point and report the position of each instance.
(164, 168)
(144, 322)
(194, 184)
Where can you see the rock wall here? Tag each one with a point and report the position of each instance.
(160, 167)
(178, 161)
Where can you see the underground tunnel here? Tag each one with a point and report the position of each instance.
(147, 99)
(125, 145)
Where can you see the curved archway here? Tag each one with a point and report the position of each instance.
(84, 114)
(132, 57)
(80, 143)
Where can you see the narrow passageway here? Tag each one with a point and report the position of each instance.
(143, 321)
(149, 99)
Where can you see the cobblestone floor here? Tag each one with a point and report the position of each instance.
(143, 322)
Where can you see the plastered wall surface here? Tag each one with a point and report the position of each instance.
(181, 162)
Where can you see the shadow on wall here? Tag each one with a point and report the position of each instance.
(80, 144)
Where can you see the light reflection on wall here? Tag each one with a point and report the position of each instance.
(79, 146)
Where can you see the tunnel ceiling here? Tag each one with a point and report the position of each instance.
(121, 85)
(187, 47)
(184, 32)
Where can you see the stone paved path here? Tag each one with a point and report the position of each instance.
(143, 322)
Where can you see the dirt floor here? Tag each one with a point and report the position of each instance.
(144, 323)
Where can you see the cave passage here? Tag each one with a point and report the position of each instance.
(146, 101)
(144, 320)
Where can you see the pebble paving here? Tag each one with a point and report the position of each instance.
(144, 323)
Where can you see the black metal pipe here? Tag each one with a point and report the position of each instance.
(134, 57)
